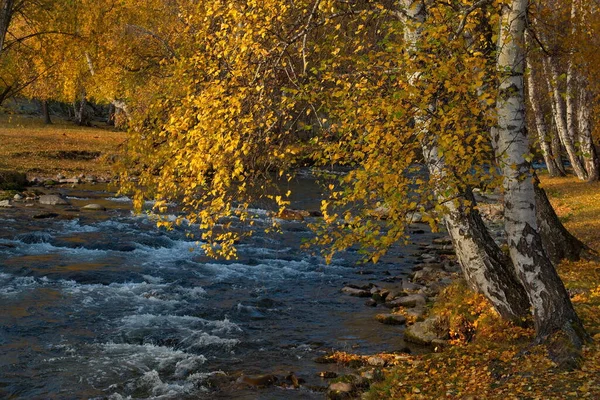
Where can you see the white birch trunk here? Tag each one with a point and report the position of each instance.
(540, 124)
(590, 156)
(485, 268)
(552, 308)
(586, 144)
(559, 112)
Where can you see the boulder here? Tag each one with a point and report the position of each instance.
(380, 295)
(390, 319)
(412, 300)
(376, 361)
(393, 294)
(416, 313)
(425, 332)
(53, 200)
(45, 215)
(94, 207)
(356, 292)
(18, 197)
(371, 303)
(340, 390)
(5, 204)
(410, 286)
(70, 180)
(428, 275)
(291, 215)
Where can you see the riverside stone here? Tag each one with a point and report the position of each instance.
(425, 332)
(409, 301)
(376, 361)
(93, 206)
(52, 199)
(340, 390)
(5, 204)
(356, 292)
(390, 319)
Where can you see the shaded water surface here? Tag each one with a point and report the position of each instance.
(104, 305)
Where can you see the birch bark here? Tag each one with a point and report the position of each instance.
(559, 112)
(554, 316)
(486, 269)
(540, 124)
(590, 155)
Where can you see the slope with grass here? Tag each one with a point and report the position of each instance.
(29, 146)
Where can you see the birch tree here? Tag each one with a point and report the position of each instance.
(554, 316)
(486, 269)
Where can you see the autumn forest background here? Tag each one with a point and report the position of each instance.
(477, 119)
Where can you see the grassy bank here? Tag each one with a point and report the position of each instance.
(498, 362)
(41, 150)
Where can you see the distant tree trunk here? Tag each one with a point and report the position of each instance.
(486, 269)
(586, 143)
(6, 13)
(542, 130)
(559, 243)
(46, 112)
(79, 109)
(557, 152)
(554, 316)
(111, 115)
(559, 112)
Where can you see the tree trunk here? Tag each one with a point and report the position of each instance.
(554, 317)
(540, 125)
(486, 269)
(558, 110)
(6, 13)
(558, 241)
(46, 112)
(557, 153)
(79, 109)
(111, 115)
(590, 156)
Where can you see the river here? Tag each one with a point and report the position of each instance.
(103, 305)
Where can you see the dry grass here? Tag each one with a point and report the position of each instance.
(45, 150)
(578, 205)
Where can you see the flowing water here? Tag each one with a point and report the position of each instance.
(105, 305)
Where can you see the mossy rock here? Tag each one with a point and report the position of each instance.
(8, 194)
(11, 180)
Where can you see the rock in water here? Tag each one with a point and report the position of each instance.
(260, 381)
(412, 300)
(390, 319)
(94, 207)
(45, 215)
(5, 204)
(53, 200)
(340, 390)
(356, 292)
